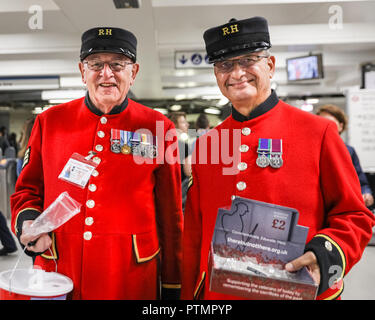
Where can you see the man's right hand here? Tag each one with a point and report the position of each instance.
(43, 241)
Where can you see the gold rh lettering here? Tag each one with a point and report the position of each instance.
(106, 32)
(225, 31)
(234, 28)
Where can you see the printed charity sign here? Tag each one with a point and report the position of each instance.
(251, 244)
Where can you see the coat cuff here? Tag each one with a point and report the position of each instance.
(331, 260)
(170, 291)
(23, 215)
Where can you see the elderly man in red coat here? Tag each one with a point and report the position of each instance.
(129, 231)
(272, 152)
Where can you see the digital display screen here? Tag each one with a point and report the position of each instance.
(305, 68)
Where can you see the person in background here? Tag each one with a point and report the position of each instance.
(125, 243)
(12, 138)
(202, 124)
(4, 143)
(281, 155)
(6, 238)
(338, 116)
(182, 126)
(25, 135)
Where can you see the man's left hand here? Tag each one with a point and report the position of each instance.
(307, 260)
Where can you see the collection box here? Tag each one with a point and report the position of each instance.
(251, 244)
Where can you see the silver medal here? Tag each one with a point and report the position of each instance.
(262, 160)
(136, 150)
(276, 161)
(116, 147)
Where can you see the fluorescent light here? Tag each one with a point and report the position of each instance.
(180, 97)
(184, 73)
(161, 110)
(212, 111)
(38, 110)
(211, 97)
(62, 94)
(307, 107)
(71, 82)
(312, 101)
(175, 107)
(222, 100)
(58, 101)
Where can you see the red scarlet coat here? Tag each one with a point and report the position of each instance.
(131, 231)
(317, 178)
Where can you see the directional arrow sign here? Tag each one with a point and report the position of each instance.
(183, 60)
(191, 60)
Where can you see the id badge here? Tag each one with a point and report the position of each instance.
(78, 170)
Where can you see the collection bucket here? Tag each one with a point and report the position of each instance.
(34, 284)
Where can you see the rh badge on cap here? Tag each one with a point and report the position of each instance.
(236, 37)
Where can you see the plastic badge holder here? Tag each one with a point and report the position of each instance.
(78, 169)
(59, 212)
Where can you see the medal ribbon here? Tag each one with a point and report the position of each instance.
(154, 141)
(276, 146)
(115, 134)
(123, 137)
(136, 137)
(145, 138)
(276, 152)
(264, 146)
(129, 138)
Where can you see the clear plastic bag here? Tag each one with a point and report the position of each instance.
(59, 212)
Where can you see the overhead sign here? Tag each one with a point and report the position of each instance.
(361, 133)
(191, 60)
(29, 83)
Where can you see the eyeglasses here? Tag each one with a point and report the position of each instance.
(97, 65)
(245, 62)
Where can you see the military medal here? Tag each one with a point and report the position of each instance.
(149, 146)
(125, 148)
(276, 152)
(115, 141)
(263, 153)
(138, 144)
(143, 146)
(135, 141)
(262, 160)
(154, 147)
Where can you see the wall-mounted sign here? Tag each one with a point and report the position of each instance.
(368, 76)
(29, 83)
(361, 129)
(191, 60)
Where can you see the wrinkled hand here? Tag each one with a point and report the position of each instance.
(368, 199)
(43, 241)
(306, 260)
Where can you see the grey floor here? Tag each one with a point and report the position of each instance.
(359, 283)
